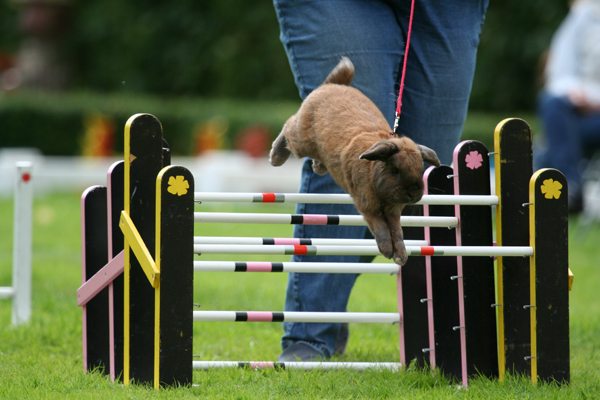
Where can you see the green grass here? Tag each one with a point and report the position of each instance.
(42, 360)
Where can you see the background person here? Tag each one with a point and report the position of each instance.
(569, 104)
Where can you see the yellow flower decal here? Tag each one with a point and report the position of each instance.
(178, 185)
(551, 188)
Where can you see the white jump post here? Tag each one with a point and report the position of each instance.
(20, 291)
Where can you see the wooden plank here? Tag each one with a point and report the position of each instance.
(142, 253)
(175, 259)
(143, 162)
(412, 287)
(442, 292)
(96, 350)
(100, 280)
(513, 167)
(549, 311)
(115, 193)
(476, 274)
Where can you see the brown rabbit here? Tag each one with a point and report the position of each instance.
(345, 134)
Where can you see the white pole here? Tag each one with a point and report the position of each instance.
(305, 267)
(285, 249)
(313, 198)
(308, 365)
(295, 316)
(215, 197)
(294, 241)
(7, 292)
(459, 199)
(473, 251)
(317, 219)
(22, 244)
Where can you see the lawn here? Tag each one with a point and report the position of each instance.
(43, 359)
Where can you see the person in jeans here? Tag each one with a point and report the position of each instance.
(569, 104)
(439, 74)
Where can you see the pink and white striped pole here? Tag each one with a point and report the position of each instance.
(314, 219)
(296, 316)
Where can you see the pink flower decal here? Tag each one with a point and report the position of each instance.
(474, 160)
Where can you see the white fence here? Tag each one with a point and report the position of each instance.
(219, 171)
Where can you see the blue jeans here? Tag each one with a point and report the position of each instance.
(441, 63)
(570, 137)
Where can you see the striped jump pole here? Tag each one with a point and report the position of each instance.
(295, 241)
(315, 198)
(309, 219)
(302, 267)
(291, 316)
(453, 251)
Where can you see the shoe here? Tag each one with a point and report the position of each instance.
(300, 352)
(342, 339)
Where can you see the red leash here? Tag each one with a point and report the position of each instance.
(399, 104)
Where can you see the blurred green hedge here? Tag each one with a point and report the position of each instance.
(516, 35)
(231, 48)
(56, 123)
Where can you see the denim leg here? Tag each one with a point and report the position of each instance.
(316, 34)
(319, 292)
(589, 132)
(441, 60)
(560, 123)
(440, 69)
(372, 34)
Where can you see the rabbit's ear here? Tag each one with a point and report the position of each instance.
(380, 151)
(429, 155)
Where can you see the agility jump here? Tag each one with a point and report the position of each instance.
(139, 246)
